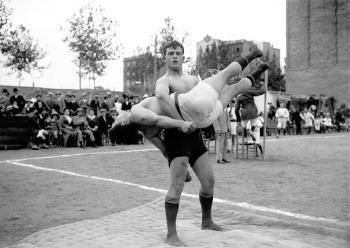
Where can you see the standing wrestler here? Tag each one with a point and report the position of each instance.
(185, 148)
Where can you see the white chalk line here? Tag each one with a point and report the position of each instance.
(154, 149)
(163, 191)
(308, 137)
(78, 154)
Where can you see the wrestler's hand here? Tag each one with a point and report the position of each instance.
(188, 127)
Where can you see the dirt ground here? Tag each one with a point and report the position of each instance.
(307, 175)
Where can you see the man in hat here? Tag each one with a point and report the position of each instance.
(95, 104)
(40, 105)
(17, 101)
(83, 102)
(60, 101)
(80, 121)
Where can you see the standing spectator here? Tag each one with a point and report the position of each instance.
(61, 102)
(339, 119)
(17, 100)
(233, 123)
(126, 105)
(308, 119)
(104, 104)
(249, 112)
(52, 103)
(95, 104)
(83, 102)
(282, 115)
(118, 104)
(318, 120)
(222, 129)
(110, 101)
(73, 104)
(296, 118)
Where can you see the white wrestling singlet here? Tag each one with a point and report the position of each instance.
(200, 105)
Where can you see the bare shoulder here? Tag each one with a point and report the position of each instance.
(163, 80)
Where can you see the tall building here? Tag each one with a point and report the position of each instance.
(237, 48)
(139, 78)
(318, 48)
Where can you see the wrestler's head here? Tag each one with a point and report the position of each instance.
(123, 118)
(173, 44)
(173, 53)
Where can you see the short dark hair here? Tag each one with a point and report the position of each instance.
(173, 44)
(15, 90)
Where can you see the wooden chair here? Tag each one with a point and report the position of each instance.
(243, 146)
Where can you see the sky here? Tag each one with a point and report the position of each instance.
(138, 22)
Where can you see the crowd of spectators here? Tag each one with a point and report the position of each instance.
(291, 120)
(59, 119)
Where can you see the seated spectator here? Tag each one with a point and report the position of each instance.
(39, 134)
(93, 126)
(80, 122)
(66, 127)
(39, 106)
(52, 103)
(327, 122)
(318, 120)
(4, 100)
(17, 101)
(52, 126)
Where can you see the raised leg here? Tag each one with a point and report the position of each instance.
(243, 85)
(219, 80)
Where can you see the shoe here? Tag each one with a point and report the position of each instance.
(81, 144)
(44, 146)
(256, 52)
(94, 144)
(35, 147)
(220, 162)
(225, 161)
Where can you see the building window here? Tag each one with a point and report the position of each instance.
(237, 49)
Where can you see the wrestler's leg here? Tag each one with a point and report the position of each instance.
(178, 169)
(203, 169)
(219, 80)
(243, 85)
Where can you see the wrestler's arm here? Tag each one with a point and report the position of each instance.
(145, 117)
(162, 92)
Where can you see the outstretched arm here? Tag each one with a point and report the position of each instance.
(148, 118)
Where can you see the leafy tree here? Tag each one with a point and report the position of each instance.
(166, 34)
(5, 13)
(22, 52)
(92, 37)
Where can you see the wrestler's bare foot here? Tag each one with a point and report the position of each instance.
(174, 240)
(211, 226)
